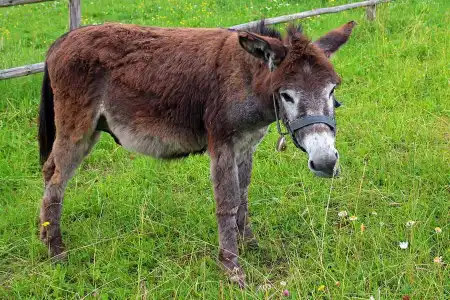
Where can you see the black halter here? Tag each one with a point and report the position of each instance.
(301, 122)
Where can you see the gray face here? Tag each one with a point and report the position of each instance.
(317, 139)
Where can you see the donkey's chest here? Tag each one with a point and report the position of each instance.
(249, 140)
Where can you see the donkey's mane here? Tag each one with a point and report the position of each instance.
(262, 29)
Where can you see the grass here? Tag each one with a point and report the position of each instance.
(139, 227)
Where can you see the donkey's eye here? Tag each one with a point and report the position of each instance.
(332, 91)
(287, 98)
(337, 103)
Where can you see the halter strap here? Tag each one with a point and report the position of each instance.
(306, 121)
(309, 120)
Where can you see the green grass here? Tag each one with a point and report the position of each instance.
(138, 227)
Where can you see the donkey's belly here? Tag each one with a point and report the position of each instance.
(156, 146)
(149, 143)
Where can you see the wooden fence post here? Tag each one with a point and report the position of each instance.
(74, 14)
(371, 12)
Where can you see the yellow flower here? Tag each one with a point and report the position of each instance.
(363, 227)
(321, 288)
(438, 230)
(45, 224)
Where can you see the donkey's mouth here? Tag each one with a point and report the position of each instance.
(325, 174)
(325, 163)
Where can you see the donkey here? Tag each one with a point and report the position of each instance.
(171, 92)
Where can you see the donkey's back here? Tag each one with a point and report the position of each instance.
(149, 87)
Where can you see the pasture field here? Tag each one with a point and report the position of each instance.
(137, 227)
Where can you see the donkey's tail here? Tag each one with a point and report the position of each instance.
(46, 119)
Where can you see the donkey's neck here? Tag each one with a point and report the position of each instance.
(254, 109)
(261, 88)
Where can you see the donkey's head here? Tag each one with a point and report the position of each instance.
(302, 84)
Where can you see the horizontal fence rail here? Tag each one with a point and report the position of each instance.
(75, 19)
(311, 13)
(19, 2)
(22, 71)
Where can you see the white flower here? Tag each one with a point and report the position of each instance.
(403, 245)
(283, 283)
(438, 230)
(264, 287)
(374, 213)
(438, 259)
(342, 214)
(353, 218)
(410, 223)
(371, 297)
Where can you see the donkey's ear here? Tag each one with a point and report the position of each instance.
(334, 39)
(270, 51)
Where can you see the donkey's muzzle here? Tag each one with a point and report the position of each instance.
(324, 164)
(319, 142)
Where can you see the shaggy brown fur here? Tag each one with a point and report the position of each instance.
(168, 92)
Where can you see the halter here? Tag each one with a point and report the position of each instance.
(302, 122)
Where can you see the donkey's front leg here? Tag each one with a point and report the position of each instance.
(224, 173)
(245, 172)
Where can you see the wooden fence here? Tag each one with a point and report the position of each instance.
(75, 21)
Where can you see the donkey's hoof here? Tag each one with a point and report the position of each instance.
(57, 252)
(237, 276)
(233, 270)
(248, 239)
(251, 244)
(58, 258)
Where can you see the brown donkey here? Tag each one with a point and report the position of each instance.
(170, 92)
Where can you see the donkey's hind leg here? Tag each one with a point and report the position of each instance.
(49, 166)
(66, 156)
(48, 169)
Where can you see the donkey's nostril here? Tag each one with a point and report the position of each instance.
(324, 164)
(337, 155)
